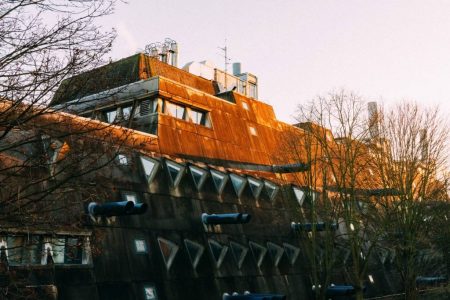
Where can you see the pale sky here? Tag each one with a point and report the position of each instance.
(384, 50)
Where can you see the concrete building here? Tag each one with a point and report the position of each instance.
(183, 146)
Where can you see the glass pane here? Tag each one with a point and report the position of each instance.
(195, 251)
(218, 252)
(168, 250)
(291, 252)
(126, 112)
(150, 293)
(74, 250)
(238, 183)
(258, 251)
(219, 180)
(130, 197)
(300, 195)
(175, 110)
(58, 250)
(175, 172)
(32, 250)
(147, 107)
(150, 168)
(271, 189)
(15, 244)
(123, 160)
(141, 246)
(198, 176)
(239, 253)
(276, 252)
(197, 117)
(255, 186)
(111, 116)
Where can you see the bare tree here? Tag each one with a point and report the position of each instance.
(411, 157)
(48, 158)
(334, 143)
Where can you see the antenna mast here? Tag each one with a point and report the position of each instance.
(227, 61)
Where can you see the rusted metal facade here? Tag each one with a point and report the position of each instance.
(184, 150)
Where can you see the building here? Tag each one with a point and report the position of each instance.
(177, 146)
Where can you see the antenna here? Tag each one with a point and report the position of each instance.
(227, 61)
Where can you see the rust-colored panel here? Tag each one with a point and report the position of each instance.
(185, 126)
(197, 98)
(158, 68)
(222, 127)
(176, 89)
(169, 141)
(211, 149)
(166, 120)
(205, 131)
(191, 143)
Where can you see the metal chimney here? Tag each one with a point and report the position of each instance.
(374, 119)
(236, 68)
(423, 144)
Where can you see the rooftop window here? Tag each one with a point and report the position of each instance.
(175, 110)
(199, 117)
(148, 106)
(110, 116)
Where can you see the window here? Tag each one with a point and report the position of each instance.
(218, 251)
(122, 159)
(219, 179)
(258, 251)
(150, 167)
(239, 253)
(271, 189)
(150, 293)
(176, 172)
(195, 251)
(175, 110)
(238, 183)
(140, 246)
(168, 250)
(53, 251)
(111, 115)
(276, 252)
(198, 176)
(199, 117)
(74, 250)
(252, 90)
(126, 112)
(148, 106)
(130, 196)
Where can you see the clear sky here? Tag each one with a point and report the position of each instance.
(384, 50)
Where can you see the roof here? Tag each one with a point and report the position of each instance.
(125, 71)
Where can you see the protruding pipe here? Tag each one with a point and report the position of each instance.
(340, 290)
(232, 218)
(251, 296)
(119, 208)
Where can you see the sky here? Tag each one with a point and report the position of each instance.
(385, 50)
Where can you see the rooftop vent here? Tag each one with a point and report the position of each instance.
(166, 51)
